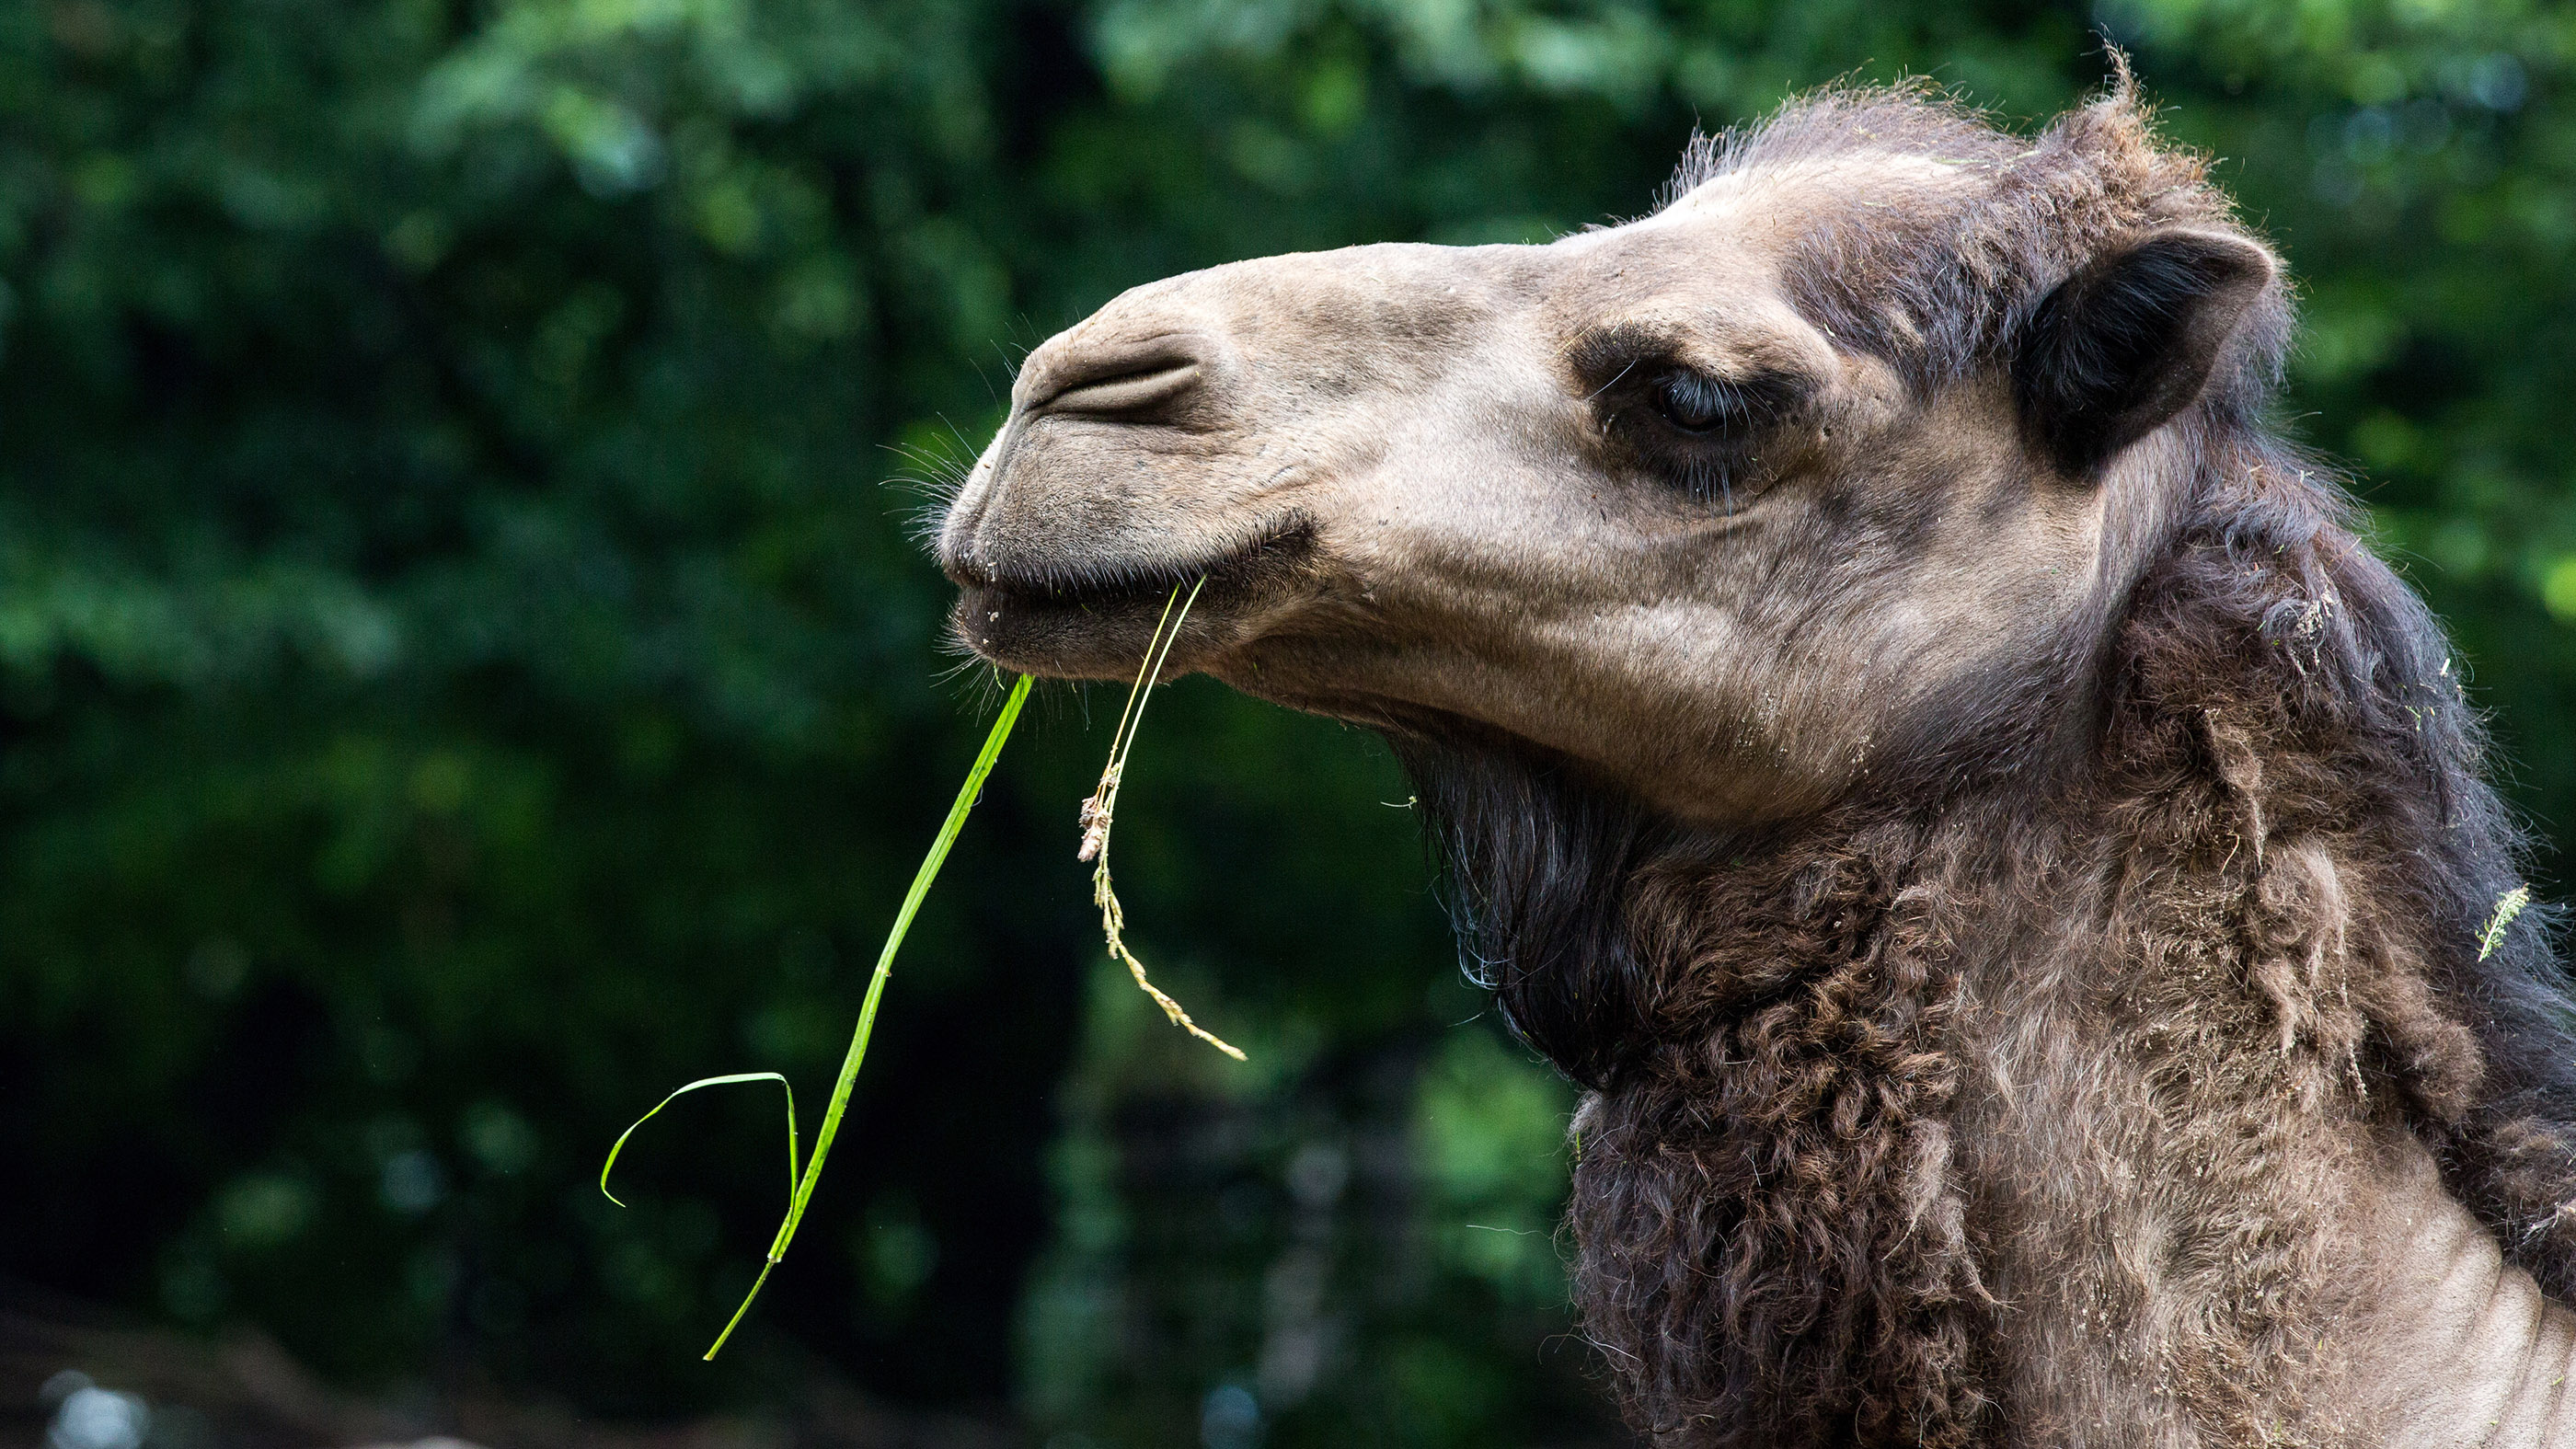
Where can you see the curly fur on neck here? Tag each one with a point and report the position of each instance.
(1871, 1094)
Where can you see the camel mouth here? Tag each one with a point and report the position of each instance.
(1092, 622)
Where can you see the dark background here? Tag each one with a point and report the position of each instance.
(466, 665)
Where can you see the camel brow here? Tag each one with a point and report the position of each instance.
(1601, 357)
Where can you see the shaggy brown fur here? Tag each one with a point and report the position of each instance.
(2231, 915)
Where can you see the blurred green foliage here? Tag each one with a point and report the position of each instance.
(463, 672)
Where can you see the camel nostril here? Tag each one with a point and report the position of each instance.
(1113, 377)
(1126, 392)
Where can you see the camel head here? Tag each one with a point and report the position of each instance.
(1836, 466)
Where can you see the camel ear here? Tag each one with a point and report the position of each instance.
(2130, 340)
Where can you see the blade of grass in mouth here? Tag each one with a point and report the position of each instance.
(800, 1184)
(1096, 816)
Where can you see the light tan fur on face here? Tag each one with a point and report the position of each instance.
(1475, 550)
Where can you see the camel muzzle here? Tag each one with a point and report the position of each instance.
(1108, 487)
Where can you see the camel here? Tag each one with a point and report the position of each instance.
(2008, 868)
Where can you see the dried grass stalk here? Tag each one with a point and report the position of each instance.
(1101, 809)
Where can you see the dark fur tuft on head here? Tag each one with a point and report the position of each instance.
(1939, 276)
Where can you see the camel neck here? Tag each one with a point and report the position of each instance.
(2098, 1124)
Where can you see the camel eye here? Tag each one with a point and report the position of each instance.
(1696, 403)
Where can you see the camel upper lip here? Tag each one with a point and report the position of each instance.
(1272, 545)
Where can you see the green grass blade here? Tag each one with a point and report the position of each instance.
(800, 1185)
(966, 796)
(727, 1080)
(1144, 669)
(741, 1309)
(1154, 672)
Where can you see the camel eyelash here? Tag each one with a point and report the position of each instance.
(1697, 403)
(1704, 432)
